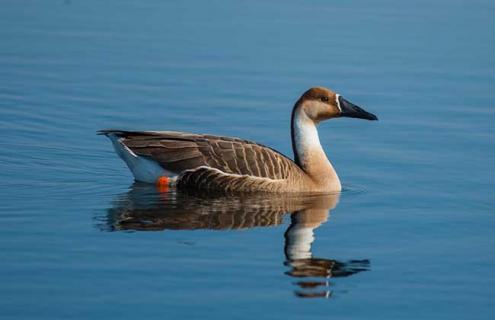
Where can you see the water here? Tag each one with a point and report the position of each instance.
(410, 237)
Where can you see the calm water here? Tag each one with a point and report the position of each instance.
(412, 235)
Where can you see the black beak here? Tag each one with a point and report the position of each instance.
(350, 110)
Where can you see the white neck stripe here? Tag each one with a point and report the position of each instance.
(305, 135)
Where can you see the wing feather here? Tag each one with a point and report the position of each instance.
(180, 151)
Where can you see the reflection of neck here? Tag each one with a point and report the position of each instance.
(308, 152)
(299, 236)
(298, 240)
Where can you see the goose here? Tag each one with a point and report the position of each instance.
(217, 163)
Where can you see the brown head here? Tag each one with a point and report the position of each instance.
(320, 104)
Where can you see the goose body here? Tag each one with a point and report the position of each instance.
(209, 162)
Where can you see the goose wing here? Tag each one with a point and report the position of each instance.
(179, 151)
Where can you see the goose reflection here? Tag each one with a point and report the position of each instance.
(144, 208)
(298, 240)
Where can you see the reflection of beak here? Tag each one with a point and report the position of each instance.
(350, 110)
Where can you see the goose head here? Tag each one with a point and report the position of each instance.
(319, 104)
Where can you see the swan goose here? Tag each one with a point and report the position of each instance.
(208, 162)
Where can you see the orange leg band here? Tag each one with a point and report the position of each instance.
(162, 184)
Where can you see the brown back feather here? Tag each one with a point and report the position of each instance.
(179, 151)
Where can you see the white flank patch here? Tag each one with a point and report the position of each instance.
(143, 169)
(338, 102)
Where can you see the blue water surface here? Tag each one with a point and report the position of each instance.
(411, 236)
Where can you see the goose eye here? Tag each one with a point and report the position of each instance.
(324, 99)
